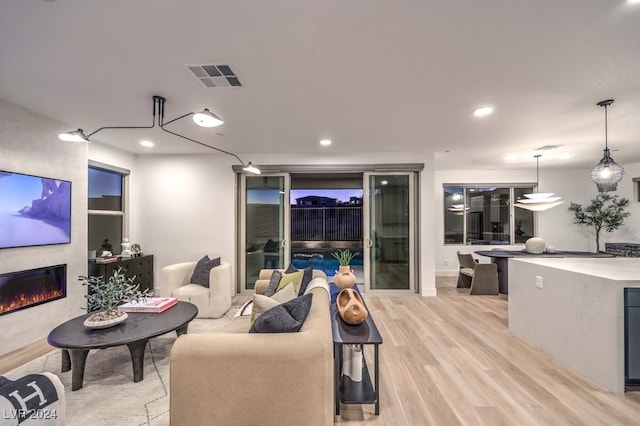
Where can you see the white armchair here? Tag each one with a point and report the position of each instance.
(212, 302)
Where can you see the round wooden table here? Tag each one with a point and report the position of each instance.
(76, 340)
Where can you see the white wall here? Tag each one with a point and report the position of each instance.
(29, 144)
(187, 204)
(555, 225)
(186, 208)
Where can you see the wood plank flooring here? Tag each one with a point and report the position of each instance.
(16, 358)
(450, 360)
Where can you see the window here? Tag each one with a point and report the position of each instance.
(486, 215)
(107, 212)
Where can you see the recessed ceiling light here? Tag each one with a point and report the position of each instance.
(564, 156)
(633, 1)
(483, 111)
(147, 144)
(510, 157)
(325, 142)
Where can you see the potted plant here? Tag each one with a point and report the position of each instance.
(103, 298)
(344, 278)
(136, 250)
(605, 212)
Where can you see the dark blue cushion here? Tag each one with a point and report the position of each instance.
(273, 283)
(203, 268)
(307, 276)
(285, 318)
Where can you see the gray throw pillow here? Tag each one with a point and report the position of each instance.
(203, 268)
(307, 276)
(285, 318)
(273, 283)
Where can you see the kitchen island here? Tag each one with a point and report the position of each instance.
(573, 310)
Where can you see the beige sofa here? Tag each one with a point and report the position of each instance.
(242, 378)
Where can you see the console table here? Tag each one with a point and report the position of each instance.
(139, 266)
(347, 391)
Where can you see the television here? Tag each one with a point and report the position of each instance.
(34, 210)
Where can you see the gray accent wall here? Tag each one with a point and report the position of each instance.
(29, 144)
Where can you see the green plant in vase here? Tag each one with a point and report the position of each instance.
(344, 257)
(344, 278)
(103, 297)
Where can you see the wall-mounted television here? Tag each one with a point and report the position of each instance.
(34, 210)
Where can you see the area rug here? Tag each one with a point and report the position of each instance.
(109, 395)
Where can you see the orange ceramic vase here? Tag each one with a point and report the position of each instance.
(344, 278)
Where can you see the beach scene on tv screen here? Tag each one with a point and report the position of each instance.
(34, 210)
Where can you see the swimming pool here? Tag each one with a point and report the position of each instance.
(323, 260)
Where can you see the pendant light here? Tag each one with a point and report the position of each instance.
(607, 173)
(203, 119)
(538, 201)
(458, 209)
(207, 119)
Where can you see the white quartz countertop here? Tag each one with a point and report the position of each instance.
(614, 268)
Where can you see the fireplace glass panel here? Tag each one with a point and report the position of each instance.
(23, 289)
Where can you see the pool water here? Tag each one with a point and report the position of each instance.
(322, 259)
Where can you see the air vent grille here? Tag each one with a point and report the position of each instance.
(211, 76)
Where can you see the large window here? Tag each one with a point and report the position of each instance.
(486, 215)
(107, 212)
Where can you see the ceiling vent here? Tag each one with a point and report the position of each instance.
(211, 76)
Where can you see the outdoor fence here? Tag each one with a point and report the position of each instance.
(326, 223)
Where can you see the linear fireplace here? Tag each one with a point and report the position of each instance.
(23, 289)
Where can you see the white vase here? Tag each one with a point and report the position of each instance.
(105, 324)
(534, 245)
(352, 362)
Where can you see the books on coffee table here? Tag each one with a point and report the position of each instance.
(153, 305)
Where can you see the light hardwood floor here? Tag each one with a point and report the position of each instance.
(450, 360)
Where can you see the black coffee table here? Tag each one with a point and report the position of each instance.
(76, 340)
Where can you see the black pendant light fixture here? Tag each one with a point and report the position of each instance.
(203, 119)
(607, 173)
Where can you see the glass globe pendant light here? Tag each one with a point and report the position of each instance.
(607, 173)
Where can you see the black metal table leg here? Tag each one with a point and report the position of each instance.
(376, 379)
(337, 352)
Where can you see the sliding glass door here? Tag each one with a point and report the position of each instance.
(390, 231)
(264, 229)
(386, 228)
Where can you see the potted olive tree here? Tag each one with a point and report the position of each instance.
(103, 298)
(606, 212)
